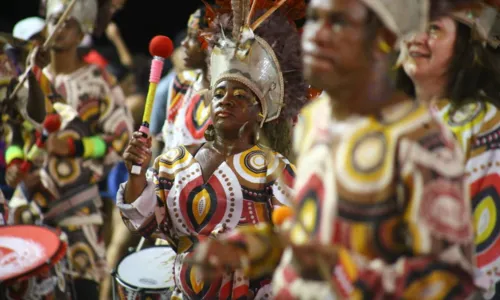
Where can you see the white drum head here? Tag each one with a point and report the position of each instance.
(150, 268)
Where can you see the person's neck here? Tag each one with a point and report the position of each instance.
(65, 62)
(429, 89)
(229, 145)
(368, 96)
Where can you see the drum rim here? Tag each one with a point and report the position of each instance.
(134, 288)
(48, 262)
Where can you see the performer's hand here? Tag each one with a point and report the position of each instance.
(112, 31)
(39, 57)
(13, 175)
(213, 258)
(309, 255)
(57, 146)
(138, 152)
(33, 180)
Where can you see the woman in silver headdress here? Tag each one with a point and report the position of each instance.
(237, 177)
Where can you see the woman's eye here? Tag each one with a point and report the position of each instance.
(433, 28)
(219, 94)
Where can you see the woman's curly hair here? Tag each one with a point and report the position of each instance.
(282, 35)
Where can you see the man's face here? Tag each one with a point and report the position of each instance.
(333, 43)
(69, 36)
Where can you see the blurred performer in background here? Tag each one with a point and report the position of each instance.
(187, 113)
(382, 209)
(454, 66)
(95, 129)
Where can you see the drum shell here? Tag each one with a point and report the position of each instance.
(48, 281)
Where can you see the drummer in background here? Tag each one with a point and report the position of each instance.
(236, 177)
(96, 128)
(26, 110)
(187, 114)
(382, 210)
(454, 67)
(31, 29)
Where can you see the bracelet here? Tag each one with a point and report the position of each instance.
(94, 147)
(12, 153)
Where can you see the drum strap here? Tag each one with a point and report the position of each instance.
(64, 207)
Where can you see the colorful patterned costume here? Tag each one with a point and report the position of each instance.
(246, 186)
(398, 209)
(243, 190)
(187, 114)
(476, 125)
(69, 197)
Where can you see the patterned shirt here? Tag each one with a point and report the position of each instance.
(244, 189)
(187, 114)
(476, 125)
(91, 104)
(388, 191)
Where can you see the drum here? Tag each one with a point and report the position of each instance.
(33, 263)
(146, 274)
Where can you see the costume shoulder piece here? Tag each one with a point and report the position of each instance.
(173, 161)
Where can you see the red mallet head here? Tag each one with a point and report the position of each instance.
(52, 122)
(161, 46)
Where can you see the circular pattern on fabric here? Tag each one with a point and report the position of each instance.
(437, 285)
(465, 114)
(202, 207)
(444, 210)
(82, 258)
(389, 237)
(64, 170)
(202, 203)
(24, 215)
(197, 117)
(486, 208)
(369, 152)
(251, 165)
(310, 200)
(255, 163)
(193, 284)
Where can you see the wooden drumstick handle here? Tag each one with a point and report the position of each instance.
(45, 45)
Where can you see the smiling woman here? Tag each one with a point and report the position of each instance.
(455, 67)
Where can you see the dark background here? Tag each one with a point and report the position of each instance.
(139, 20)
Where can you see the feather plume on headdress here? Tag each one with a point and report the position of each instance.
(258, 45)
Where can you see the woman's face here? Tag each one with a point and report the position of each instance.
(233, 106)
(431, 52)
(194, 54)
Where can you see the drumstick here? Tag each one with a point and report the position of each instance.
(141, 243)
(160, 48)
(47, 43)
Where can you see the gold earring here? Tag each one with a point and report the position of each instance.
(384, 47)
